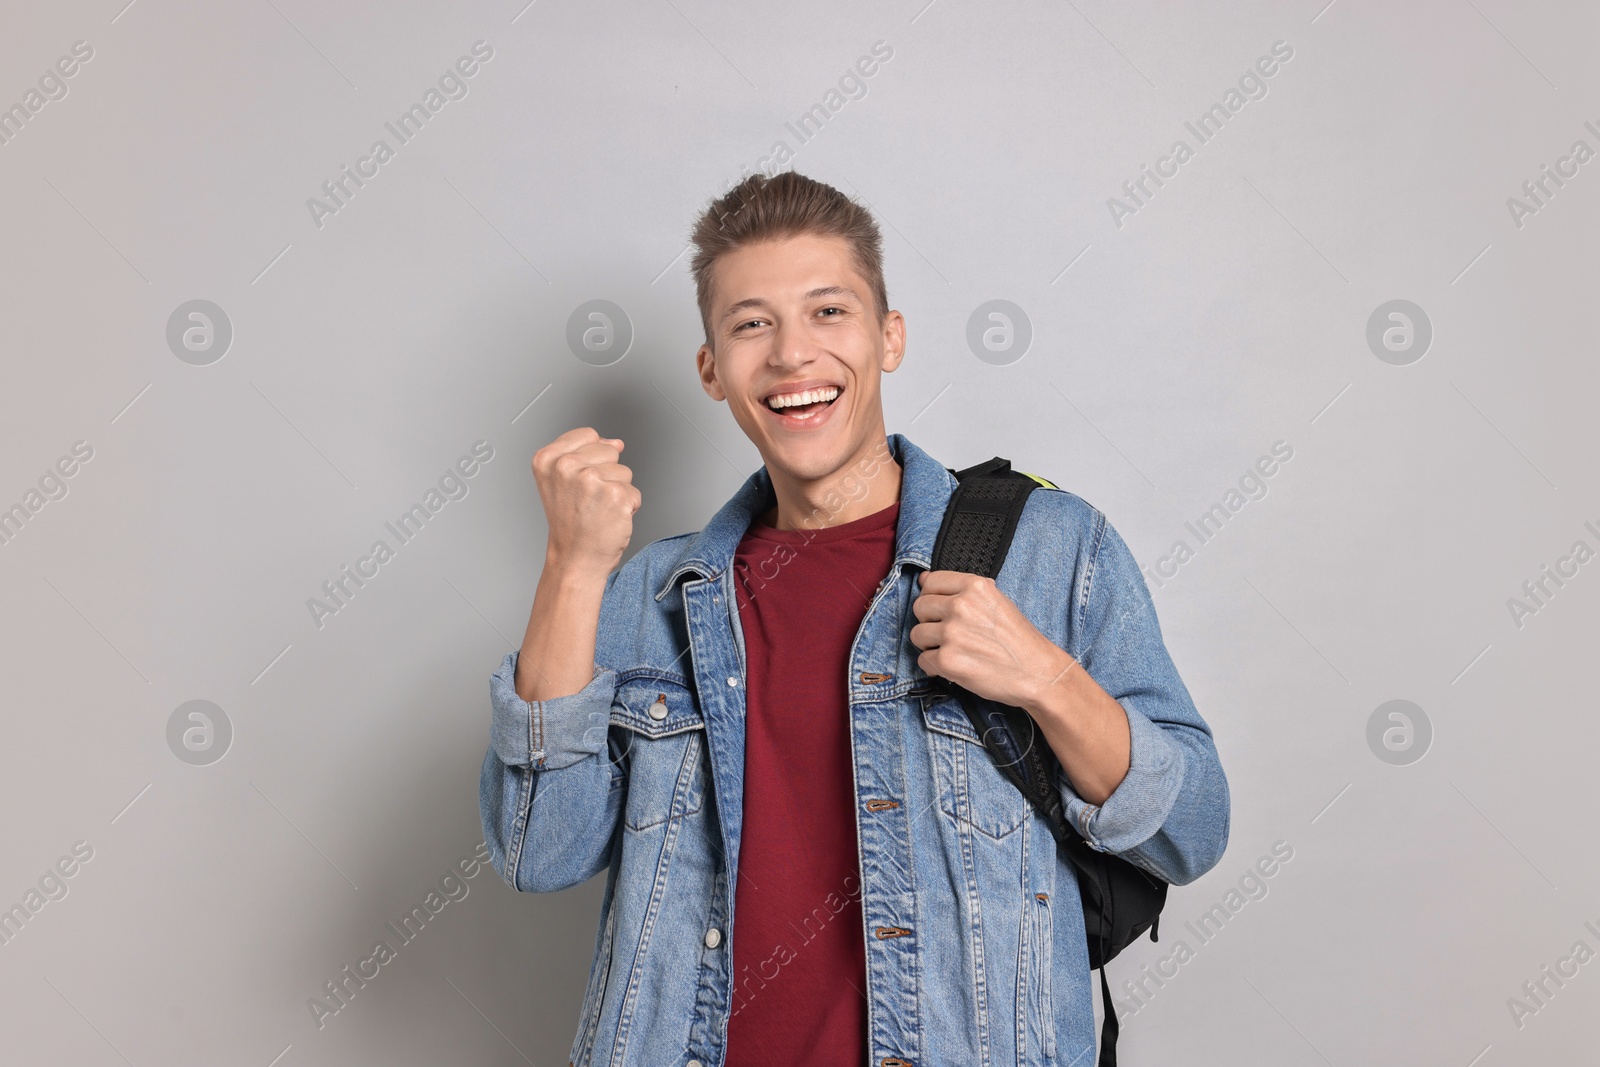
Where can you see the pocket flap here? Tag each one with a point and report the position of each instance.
(945, 715)
(656, 707)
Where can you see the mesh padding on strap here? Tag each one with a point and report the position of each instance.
(971, 543)
(982, 517)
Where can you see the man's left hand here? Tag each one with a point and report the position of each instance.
(974, 635)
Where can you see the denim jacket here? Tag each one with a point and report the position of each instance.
(975, 947)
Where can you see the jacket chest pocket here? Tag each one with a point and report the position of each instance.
(972, 791)
(658, 737)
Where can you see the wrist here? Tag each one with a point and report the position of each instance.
(573, 576)
(1054, 694)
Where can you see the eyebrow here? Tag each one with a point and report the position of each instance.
(758, 302)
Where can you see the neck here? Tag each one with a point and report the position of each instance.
(867, 483)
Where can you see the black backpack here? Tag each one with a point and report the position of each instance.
(1120, 901)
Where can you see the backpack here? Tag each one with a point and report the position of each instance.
(1120, 901)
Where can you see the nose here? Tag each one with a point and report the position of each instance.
(791, 347)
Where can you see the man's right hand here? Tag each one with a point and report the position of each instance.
(589, 500)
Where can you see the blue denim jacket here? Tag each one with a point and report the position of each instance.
(974, 928)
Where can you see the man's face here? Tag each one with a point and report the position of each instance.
(792, 319)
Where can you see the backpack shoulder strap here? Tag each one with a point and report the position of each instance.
(982, 517)
(975, 536)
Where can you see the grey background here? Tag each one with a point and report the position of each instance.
(1167, 355)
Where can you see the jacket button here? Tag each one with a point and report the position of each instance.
(713, 937)
(733, 679)
(658, 711)
(694, 1063)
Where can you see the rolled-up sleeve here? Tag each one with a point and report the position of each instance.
(549, 792)
(1139, 806)
(549, 734)
(1170, 813)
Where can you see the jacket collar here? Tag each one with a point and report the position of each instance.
(925, 488)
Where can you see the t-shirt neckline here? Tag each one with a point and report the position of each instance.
(808, 535)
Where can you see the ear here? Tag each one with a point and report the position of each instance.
(706, 364)
(894, 340)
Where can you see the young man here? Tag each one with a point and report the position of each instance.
(810, 856)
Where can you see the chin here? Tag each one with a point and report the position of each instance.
(809, 460)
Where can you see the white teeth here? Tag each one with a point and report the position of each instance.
(810, 396)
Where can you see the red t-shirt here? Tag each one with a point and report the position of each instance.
(799, 957)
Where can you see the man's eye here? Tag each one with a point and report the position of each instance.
(742, 325)
(839, 310)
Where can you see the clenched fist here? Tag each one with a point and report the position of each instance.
(589, 500)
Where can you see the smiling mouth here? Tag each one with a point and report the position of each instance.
(804, 404)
